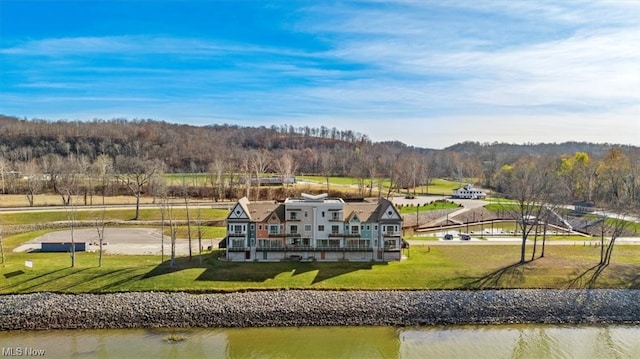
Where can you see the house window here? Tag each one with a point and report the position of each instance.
(368, 227)
(335, 229)
(307, 228)
(306, 214)
(237, 243)
(237, 229)
(274, 229)
(390, 229)
(322, 214)
(294, 216)
(293, 229)
(260, 227)
(335, 216)
(375, 228)
(354, 229)
(253, 226)
(321, 228)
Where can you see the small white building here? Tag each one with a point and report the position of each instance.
(469, 192)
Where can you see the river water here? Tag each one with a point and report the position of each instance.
(504, 341)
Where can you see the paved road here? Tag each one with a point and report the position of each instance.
(518, 241)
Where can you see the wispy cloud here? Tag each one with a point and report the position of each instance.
(446, 64)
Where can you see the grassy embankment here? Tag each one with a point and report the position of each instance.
(428, 267)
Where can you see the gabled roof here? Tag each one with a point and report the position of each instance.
(386, 211)
(364, 211)
(261, 212)
(240, 210)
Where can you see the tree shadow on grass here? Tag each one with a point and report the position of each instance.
(103, 276)
(13, 274)
(588, 278)
(223, 271)
(619, 275)
(30, 279)
(511, 274)
(121, 282)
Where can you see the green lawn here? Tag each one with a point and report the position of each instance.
(206, 214)
(428, 267)
(433, 206)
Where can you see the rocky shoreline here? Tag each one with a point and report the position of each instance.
(40, 311)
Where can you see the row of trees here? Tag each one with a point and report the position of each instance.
(542, 185)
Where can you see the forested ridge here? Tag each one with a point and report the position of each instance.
(192, 148)
(135, 150)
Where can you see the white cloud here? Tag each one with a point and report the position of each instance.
(424, 72)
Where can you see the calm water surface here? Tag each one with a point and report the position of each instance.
(517, 341)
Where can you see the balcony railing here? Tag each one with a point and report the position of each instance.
(298, 248)
(346, 235)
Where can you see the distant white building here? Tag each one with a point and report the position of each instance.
(469, 192)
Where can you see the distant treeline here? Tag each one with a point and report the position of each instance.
(230, 153)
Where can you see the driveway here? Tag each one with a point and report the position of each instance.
(139, 241)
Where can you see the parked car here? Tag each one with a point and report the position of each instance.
(465, 237)
(448, 237)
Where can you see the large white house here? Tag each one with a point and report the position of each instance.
(469, 192)
(314, 228)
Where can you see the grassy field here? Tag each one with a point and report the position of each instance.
(206, 214)
(45, 200)
(437, 186)
(428, 267)
(433, 206)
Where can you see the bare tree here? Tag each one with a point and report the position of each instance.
(136, 174)
(216, 177)
(173, 230)
(31, 173)
(54, 166)
(70, 207)
(102, 167)
(85, 179)
(617, 187)
(326, 163)
(259, 163)
(286, 166)
(100, 224)
(4, 258)
(426, 173)
(4, 166)
(163, 209)
(199, 229)
(185, 193)
(530, 185)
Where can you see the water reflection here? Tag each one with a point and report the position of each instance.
(518, 341)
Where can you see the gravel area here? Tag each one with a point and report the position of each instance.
(316, 308)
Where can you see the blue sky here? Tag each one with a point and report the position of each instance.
(428, 73)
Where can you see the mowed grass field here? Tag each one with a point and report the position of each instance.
(437, 186)
(204, 214)
(427, 267)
